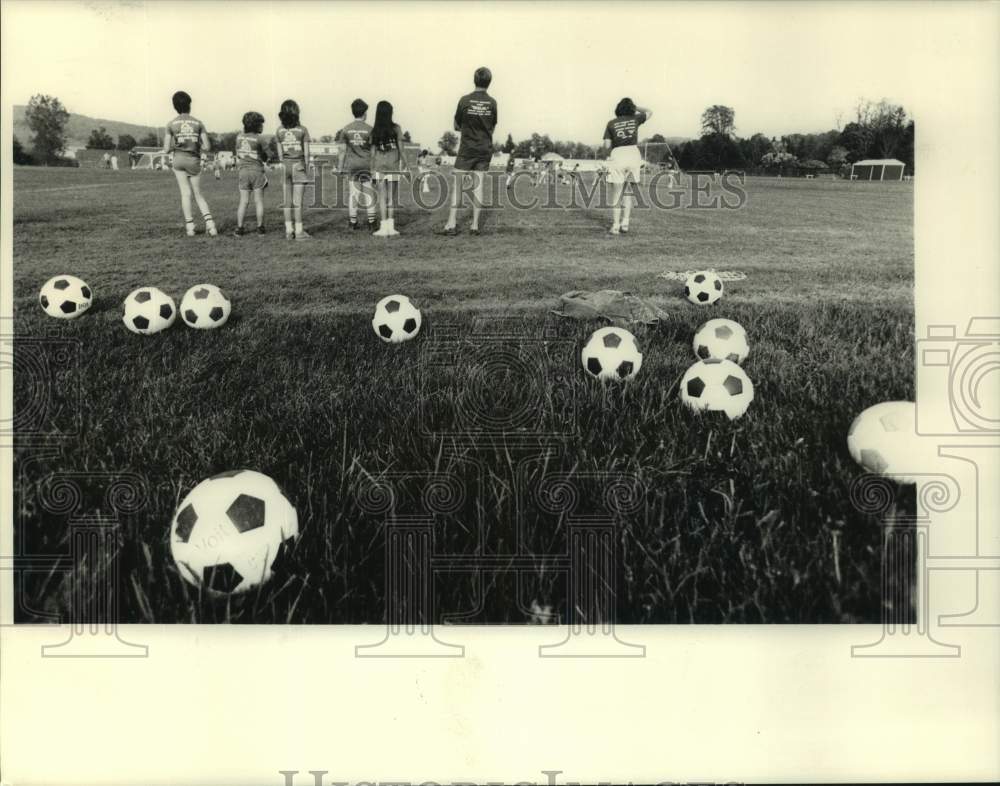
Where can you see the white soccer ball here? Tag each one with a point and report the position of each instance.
(149, 310)
(883, 439)
(722, 339)
(703, 287)
(716, 385)
(232, 532)
(611, 353)
(204, 306)
(65, 297)
(396, 319)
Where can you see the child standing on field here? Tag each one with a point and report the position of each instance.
(292, 139)
(184, 143)
(388, 163)
(355, 162)
(251, 155)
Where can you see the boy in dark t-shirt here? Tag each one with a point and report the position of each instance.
(475, 120)
(355, 162)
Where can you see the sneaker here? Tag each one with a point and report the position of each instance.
(373, 227)
(354, 225)
(261, 230)
(212, 231)
(303, 235)
(450, 232)
(614, 231)
(189, 228)
(474, 231)
(624, 230)
(289, 236)
(239, 232)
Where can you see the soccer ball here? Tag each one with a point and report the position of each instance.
(396, 319)
(204, 306)
(65, 297)
(723, 339)
(232, 532)
(883, 439)
(611, 353)
(703, 287)
(149, 310)
(716, 385)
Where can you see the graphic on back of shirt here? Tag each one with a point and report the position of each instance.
(186, 132)
(357, 140)
(292, 141)
(249, 149)
(624, 131)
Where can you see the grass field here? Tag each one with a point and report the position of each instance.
(749, 521)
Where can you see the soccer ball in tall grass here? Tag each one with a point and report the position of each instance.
(204, 306)
(232, 532)
(149, 310)
(65, 297)
(703, 287)
(612, 353)
(396, 319)
(716, 385)
(722, 339)
(883, 439)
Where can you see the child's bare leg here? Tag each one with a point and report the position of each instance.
(206, 214)
(241, 210)
(258, 200)
(185, 188)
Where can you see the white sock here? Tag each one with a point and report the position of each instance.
(288, 227)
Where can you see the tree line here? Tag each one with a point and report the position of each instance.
(876, 130)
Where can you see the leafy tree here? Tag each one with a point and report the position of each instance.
(837, 157)
(47, 119)
(448, 143)
(407, 137)
(150, 140)
(126, 142)
(718, 119)
(100, 139)
(326, 138)
(857, 140)
(509, 146)
(20, 155)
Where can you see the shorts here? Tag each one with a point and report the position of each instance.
(188, 163)
(252, 179)
(625, 162)
(385, 166)
(296, 172)
(359, 174)
(473, 162)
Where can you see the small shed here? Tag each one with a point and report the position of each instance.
(877, 169)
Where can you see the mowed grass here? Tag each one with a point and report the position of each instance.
(749, 521)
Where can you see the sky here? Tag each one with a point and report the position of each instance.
(559, 68)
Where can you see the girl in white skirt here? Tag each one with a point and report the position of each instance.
(621, 135)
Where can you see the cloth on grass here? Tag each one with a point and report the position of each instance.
(609, 304)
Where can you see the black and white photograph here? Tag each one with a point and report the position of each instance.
(432, 316)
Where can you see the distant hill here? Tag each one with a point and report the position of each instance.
(78, 128)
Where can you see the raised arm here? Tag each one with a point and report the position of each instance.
(647, 112)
